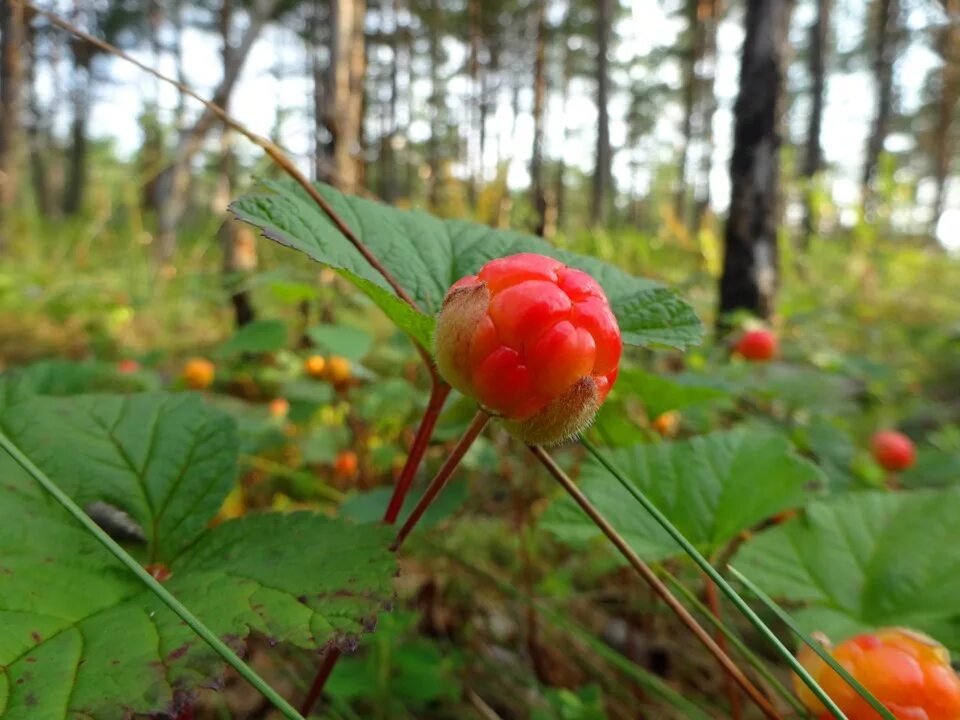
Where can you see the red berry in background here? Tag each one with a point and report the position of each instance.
(533, 341)
(907, 671)
(757, 345)
(893, 450)
(345, 465)
(128, 365)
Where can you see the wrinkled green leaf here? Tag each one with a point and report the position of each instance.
(711, 487)
(865, 560)
(80, 636)
(426, 255)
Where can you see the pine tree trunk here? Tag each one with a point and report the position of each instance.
(38, 139)
(76, 180)
(813, 156)
(11, 76)
(947, 109)
(887, 34)
(171, 189)
(749, 278)
(437, 103)
(709, 16)
(601, 175)
(693, 52)
(538, 190)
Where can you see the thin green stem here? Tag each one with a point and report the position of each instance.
(727, 589)
(147, 579)
(734, 640)
(813, 644)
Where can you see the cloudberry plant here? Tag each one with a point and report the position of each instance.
(893, 450)
(758, 345)
(338, 370)
(908, 672)
(533, 341)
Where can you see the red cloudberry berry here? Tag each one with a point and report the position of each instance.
(757, 345)
(533, 341)
(893, 450)
(908, 672)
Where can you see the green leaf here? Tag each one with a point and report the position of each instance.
(711, 487)
(344, 340)
(73, 617)
(259, 336)
(864, 561)
(426, 255)
(660, 394)
(934, 468)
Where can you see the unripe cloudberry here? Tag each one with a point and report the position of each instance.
(314, 366)
(346, 464)
(757, 345)
(198, 373)
(893, 450)
(534, 342)
(908, 672)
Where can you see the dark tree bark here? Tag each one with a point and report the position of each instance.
(37, 132)
(601, 175)
(947, 109)
(813, 155)
(887, 36)
(537, 186)
(749, 278)
(76, 180)
(11, 86)
(437, 102)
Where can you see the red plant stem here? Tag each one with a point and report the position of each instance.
(656, 584)
(323, 672)
(476, 426)
(438, 395)
(713, 602)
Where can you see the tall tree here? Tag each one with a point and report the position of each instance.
(602, 178)
(693, 52)
(709, 15)
(813, 155)
(537, 185)
(945, 137)
(749, 278)
(171, 188)
(11, 75)
(887, 33)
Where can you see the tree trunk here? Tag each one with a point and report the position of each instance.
(749, 278)
(474, 101)
(601, 175)
(559, 193)
(37, 131)
(693, 52)
(388, 155)
(437, 103)
(172, 184)
(76, 181)
(537, 185)
(813, 157)
(11, 51)
(709, 16)
(947, 109)
(887, 34)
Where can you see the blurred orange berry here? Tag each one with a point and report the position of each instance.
(907, 671)
(279, 407)
(667, 424)
(338, 370)
(314, 366)
(198, 373)
(345, 465)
